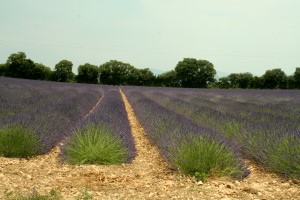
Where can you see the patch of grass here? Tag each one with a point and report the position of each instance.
(17, 141)
(202, 157)
(95, 145)
(85, 196)
(53, 195)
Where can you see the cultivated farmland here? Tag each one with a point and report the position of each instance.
(49, 109)
(264, 126)
(253, 130)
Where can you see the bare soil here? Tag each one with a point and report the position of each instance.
(147, 177)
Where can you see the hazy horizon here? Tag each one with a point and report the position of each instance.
(236, 36)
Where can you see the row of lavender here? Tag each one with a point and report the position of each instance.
(49, 109)
(263, 124)
(111, 115)
(170, 131)
(233, 112)
(54, 110)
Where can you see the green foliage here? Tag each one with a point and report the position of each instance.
(15, 64)
(118, 73)
(189, 72)
(279, 155)
(168, 79)
(233, 80)
(223, 83)
(3, 68)
(245, 80)
(297, 78)
(20, 67)
(256, 82)
(201, 157)
(85, 196)
(63, 71)
(236, 80)
(201, 176)
(16, 141)
(230, 129)
(133, 76)
(42, 72)
(290, 82)
(115, 72)
(193, 73)
(274, 79)
(87, 73)
(95, 145)
(53, 195)
(284, 156)
(145, 77)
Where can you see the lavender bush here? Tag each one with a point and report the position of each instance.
(95, 145)
(16, 141)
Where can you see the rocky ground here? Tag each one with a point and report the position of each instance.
(147, 177)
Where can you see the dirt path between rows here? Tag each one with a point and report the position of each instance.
(148, 177)
(93, 109)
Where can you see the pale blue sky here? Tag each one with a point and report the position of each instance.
(235, 35)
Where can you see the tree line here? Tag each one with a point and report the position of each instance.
(189, 72)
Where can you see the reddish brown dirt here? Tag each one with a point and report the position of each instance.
(148, 177)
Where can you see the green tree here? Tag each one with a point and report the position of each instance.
(20, 67)
(63, 71)
(133, 76)
(167, 79)
(3, 69)
(195, 73)
(240, 80)
(223, 83)
(116, 73)
(87, 73)
(290, 82)
(233, 80)
(256, 83)
(245, 80)
(42, 72)
(145, 77)
(274, 79)
(297, 78)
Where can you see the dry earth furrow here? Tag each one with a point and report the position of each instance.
(93, 109)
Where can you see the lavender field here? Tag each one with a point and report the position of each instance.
(260, 125)
(53, 111)
(112, 115)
